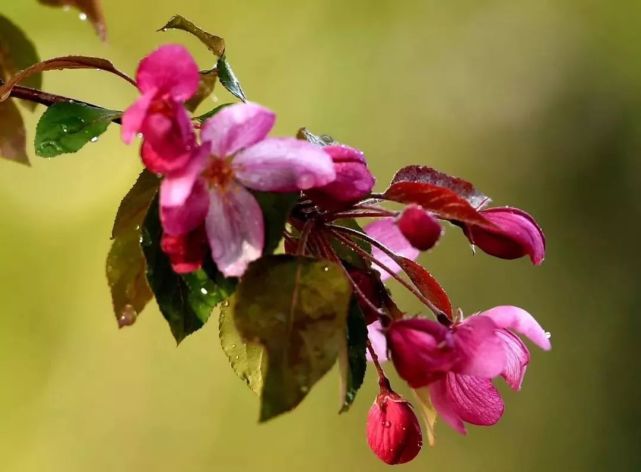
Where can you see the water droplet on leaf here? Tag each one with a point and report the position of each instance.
(204, 291)
(128, 316)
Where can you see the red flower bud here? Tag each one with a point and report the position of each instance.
(420, 228)
(353, 179)
(186, 252)
(517, 235)
(393, 430)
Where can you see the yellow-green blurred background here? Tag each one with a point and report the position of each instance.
(537, 102)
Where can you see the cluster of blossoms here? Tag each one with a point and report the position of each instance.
(212, 173)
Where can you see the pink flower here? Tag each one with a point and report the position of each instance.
(235, 156)
(420, 228)
(387, 233)
(353, 180)
(186, 252)
(393, 431)
(166, 78)
(517, 235)
(457, 363)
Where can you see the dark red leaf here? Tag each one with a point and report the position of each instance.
(426, 284)
(13, 140)
(427, 175)
(441, 201)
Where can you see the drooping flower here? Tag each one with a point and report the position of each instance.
(353, 180)
(458, 362)
(393, 430)
(517, 235)
(213, 188)
(419, 227)
(166, 78)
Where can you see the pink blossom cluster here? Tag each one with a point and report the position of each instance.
(208, 207)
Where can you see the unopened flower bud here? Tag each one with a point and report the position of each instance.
(420, 228)
(393, 430)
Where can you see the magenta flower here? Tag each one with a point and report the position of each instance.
(457, 363)
(386, 232)
(235, 156)
(419, 227)
(393, 431)
(166, 78)
(353, 180)
(517, 235)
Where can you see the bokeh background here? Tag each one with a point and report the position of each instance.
(537, 102)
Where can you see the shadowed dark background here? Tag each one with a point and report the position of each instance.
(537, 102)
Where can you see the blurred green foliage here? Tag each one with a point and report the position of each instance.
(537, 102)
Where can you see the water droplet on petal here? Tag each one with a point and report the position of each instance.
(387, 424)
(548, 334)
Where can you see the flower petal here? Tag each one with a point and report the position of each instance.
(387, 233)
(464, 398)
(481, 351)
(519, 320)
(169, 70)
(179, 220)
(236, 127)
(187, 251)
(235, 230)
(134, 116)
(377, 338)
(283, 165)
(177, 186)
(517, 358)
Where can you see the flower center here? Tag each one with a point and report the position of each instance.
(162, 106)
(219, 174)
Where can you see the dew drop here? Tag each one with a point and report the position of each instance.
(237, 357)
(387, 424)
(226, 303)
(82, 16)
(94, 139)
(204, 291)
(304, 388)
(127, 316)
(233, 346)
(548, 334)
(326, 269)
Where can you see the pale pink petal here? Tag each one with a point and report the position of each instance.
(517, 358)
(133, 117)
(464, 398)
(236, 127)
(378, 341)
(235, 230)
(387, 233)
(481, 351)
(283, 165)
(179, 220)
(176, 187)
(169, 70)
(519, 320)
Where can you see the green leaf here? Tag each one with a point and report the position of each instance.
(186, 301)
(214, 43)
(17, 52)
(205, 89)
(352, 359)
(276, 208)
(67, 127)
(126, 268)
(229, 80)
(345, 253)
(205, 116)
(13, 137)
(296, 308)
(134, 207)
(247, 359)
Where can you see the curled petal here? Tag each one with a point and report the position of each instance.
(235, 230)
(177, 220)
(186, 252)
(463, 399)
(517, 358)
(517, 235)
(377, 338)
(283, 165)
(481, 350)
(387, 233)
(420, 228)
(236, 127)
(169, 70)
(134, 116)
(519, 320)
(177, 186)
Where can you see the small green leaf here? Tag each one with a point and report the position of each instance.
(229, 80)
(134, 207)
(126, 268)
(296, 308)
(214, 43)
(345, 253)
(205, 89)
(247, 359)
(186, 301)
(67, 127)
(13, 137)
(205, 116)
(276, 208)
(352, 359)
